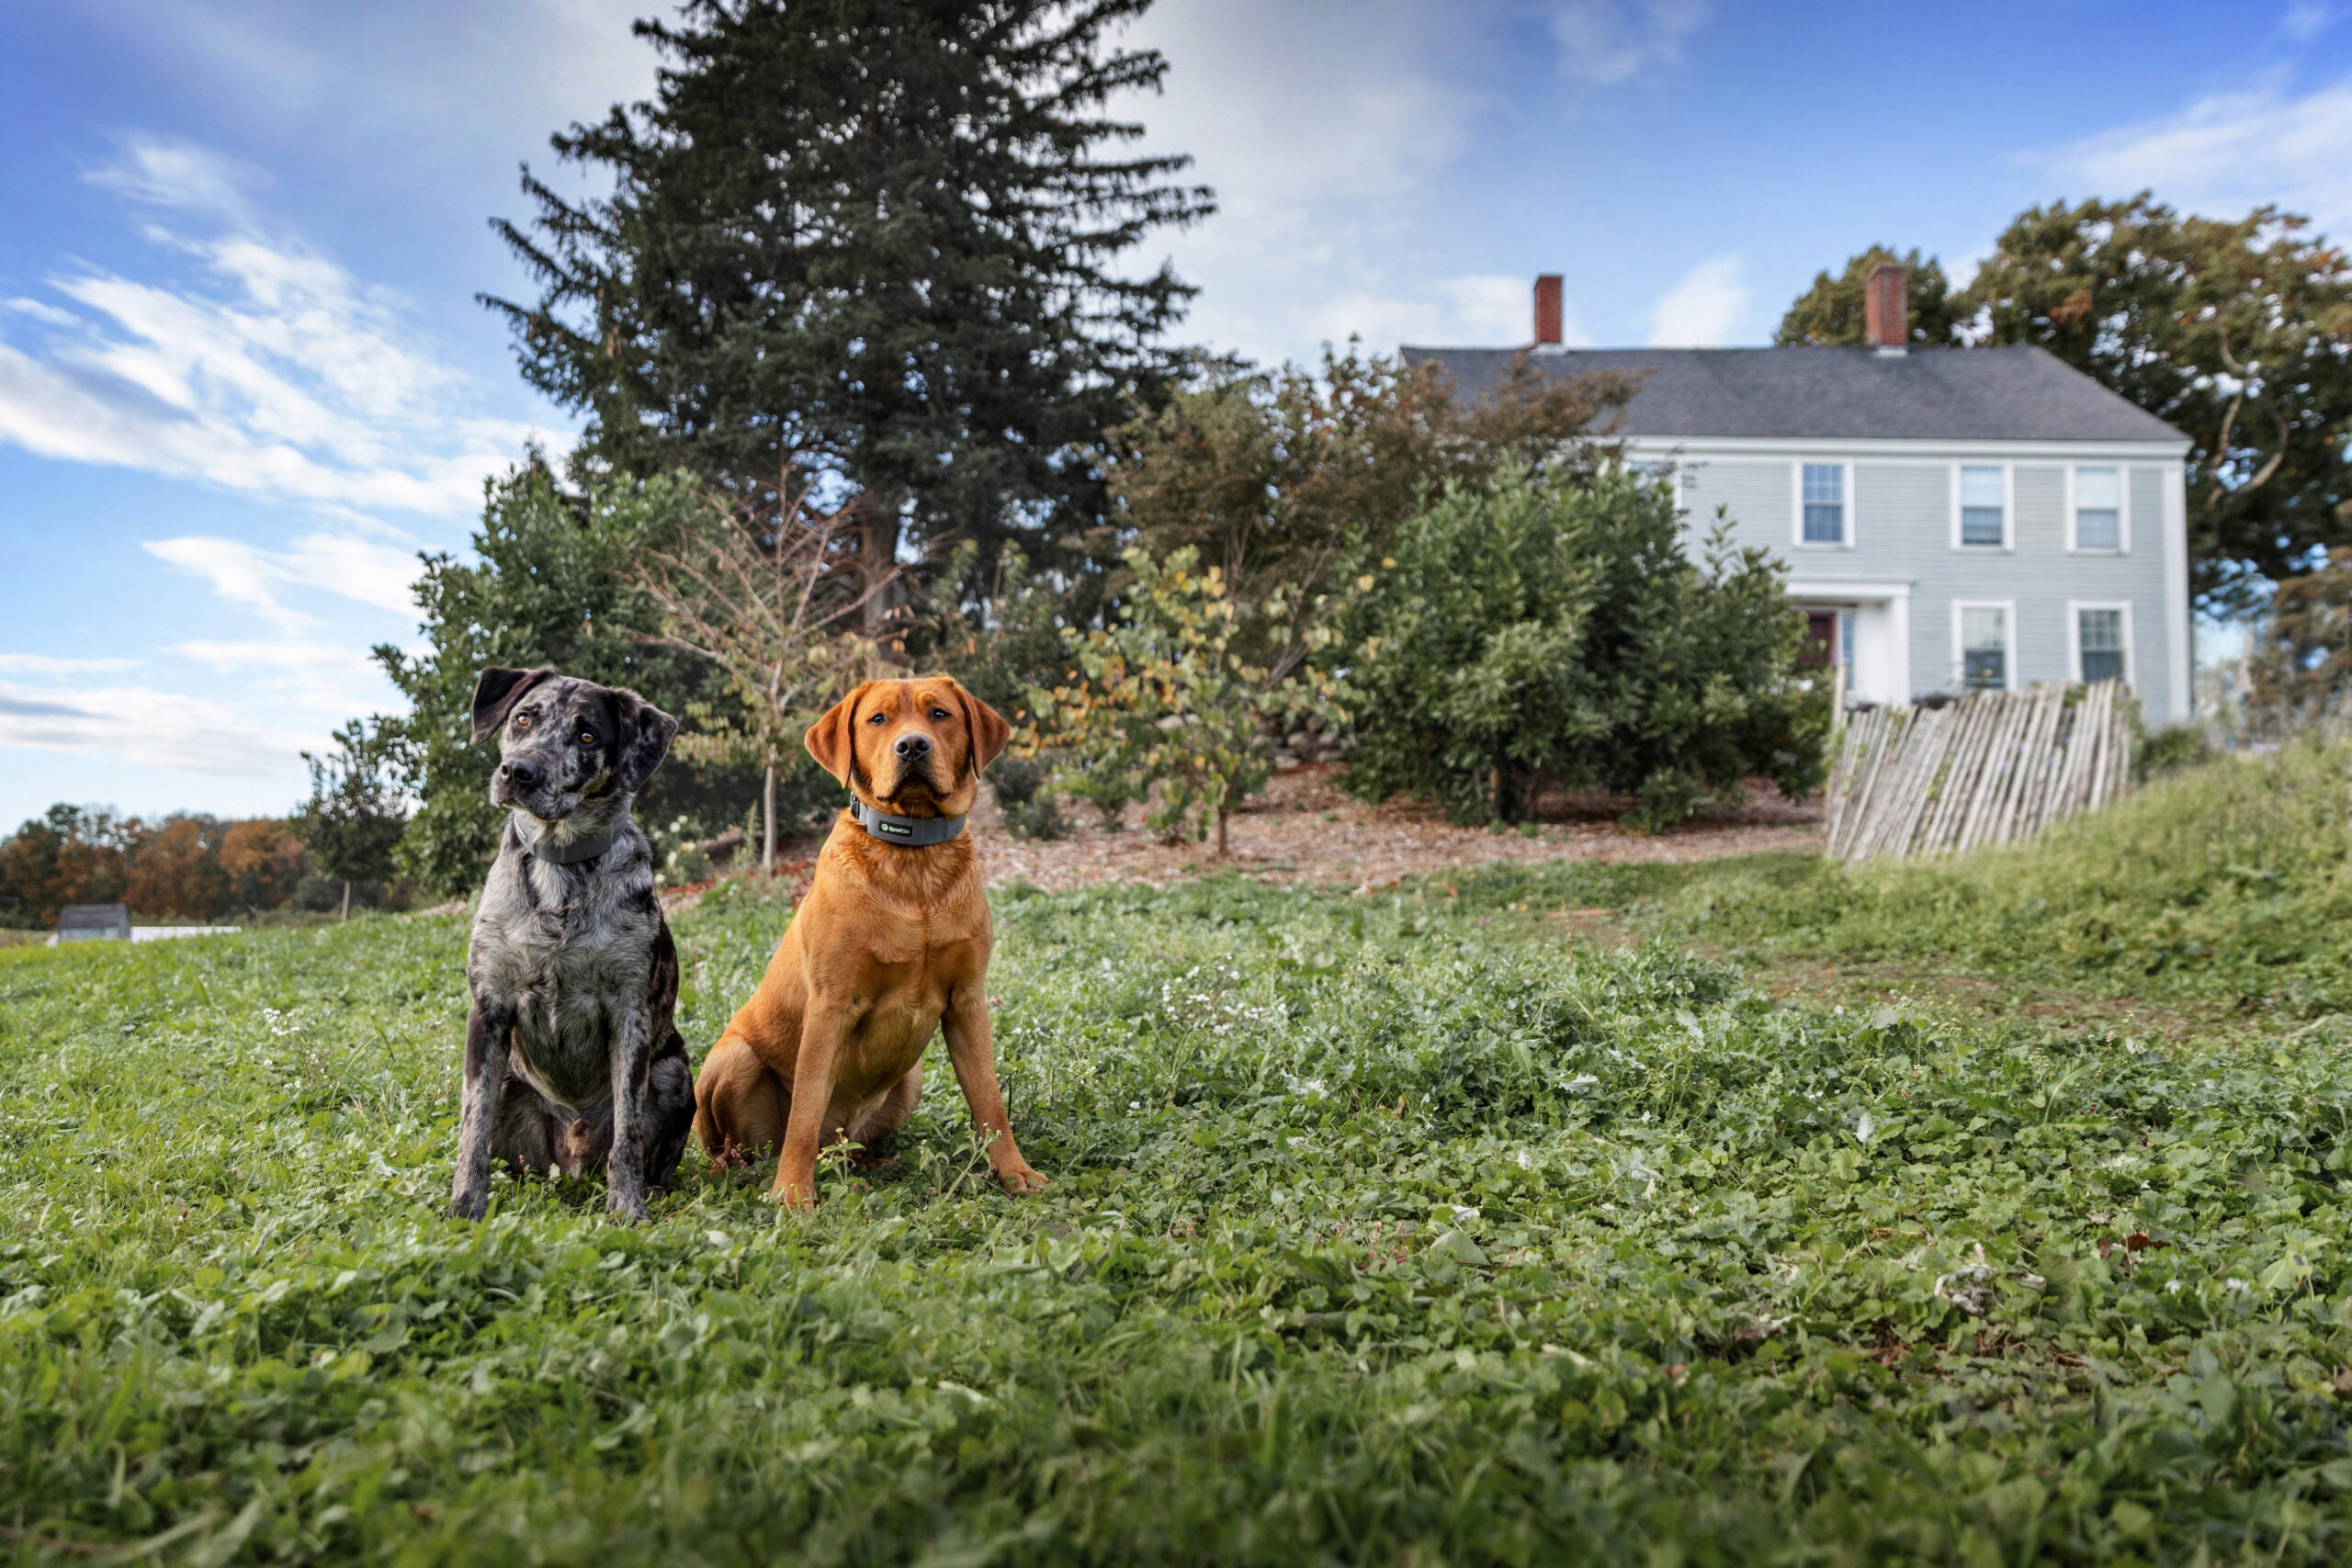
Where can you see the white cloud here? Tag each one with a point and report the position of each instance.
(181, 176)
(2227, 154)
(1320, 124)
(270, 371)
(2306, 20)
(47, 664)
(1703, 310)
(327, 678)
(363, 569)
(134, 724)
(1483, 310)
(1608, 41)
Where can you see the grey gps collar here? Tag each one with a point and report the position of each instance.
(912, 831)
(572, 853)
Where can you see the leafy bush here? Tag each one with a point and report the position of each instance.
(2169, 750)
(1163, 706)
(1028, 806)
(1547, 626)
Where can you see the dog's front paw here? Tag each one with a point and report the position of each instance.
(630, 1206)
(1020, 1180)
(468, 1205)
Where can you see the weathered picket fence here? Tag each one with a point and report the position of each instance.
(1988, 769)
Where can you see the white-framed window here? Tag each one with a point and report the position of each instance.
(1824, 504)
(2098, 510)
(2098, 639)
(1984, 644)
(1981, 507)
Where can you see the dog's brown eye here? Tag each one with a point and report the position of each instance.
(878, 718)
(522, 721)
(939, 713)
(587, 737)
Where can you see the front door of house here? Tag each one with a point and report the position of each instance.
(1820, 637)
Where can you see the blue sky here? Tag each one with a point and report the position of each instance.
(243, 378)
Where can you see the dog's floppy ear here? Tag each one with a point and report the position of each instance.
(832, 739)
(987, 726)
(497, 694)
(641, 735)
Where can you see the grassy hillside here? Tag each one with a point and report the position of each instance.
(1383, 1228)
(2229, 883)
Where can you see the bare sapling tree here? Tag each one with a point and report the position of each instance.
(773, 597)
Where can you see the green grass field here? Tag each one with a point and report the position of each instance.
(1397, 1228)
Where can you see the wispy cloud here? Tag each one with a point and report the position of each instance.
(2306, 20)
(365, 569)
(135, 724)
(1609, 41)
(256, 365)
(2229, 153)
(48, 664)
(330, 679)
(1706, 308)
(1485, 308)
(1319, 123)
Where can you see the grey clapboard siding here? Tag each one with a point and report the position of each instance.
(1901, 522)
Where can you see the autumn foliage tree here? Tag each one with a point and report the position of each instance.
(1276, 478)
(195, 868)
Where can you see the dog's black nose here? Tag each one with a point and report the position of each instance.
(913, 746)
(523, 774)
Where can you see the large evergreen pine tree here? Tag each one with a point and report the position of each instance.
(867, 246)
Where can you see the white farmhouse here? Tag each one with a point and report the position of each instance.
(1952, 518)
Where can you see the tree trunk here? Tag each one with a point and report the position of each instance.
(767, 822)
(877, 547)
(1220, 835)
(347, 900)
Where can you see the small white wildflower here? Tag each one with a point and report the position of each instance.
(2173, 1286)
(1524, 1162)
(2236, 1286)
(1864, 1128)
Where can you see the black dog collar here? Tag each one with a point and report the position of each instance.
(572, 853)
(914, 832)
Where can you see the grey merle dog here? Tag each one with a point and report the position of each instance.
(572, 1058)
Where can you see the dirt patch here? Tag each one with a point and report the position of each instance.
(1936, 985)
(1305, 829)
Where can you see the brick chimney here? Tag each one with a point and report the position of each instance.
(1547, 311)
(1886, 313)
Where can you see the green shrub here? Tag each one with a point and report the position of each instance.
(1548, 628)
(2169, 750)
(1030, 811)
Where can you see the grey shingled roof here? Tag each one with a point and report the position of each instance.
(1947, 394)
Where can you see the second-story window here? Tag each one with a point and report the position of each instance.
(1824, 503)
(1984, 510)
(2098, 509)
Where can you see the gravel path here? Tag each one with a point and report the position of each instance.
(1306, 828)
